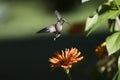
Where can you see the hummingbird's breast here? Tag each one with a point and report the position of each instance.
(58, 27)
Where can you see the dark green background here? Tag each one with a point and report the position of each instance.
(28, 59)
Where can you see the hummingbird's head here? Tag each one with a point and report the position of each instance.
(63, 20)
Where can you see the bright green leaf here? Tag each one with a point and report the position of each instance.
(108, 15)
(90, 21)
(113, 42)
(117, 24)
(118, 2)
(83, 1)
(110, 0)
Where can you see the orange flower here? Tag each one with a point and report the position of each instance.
(101, 50)
(66, 59)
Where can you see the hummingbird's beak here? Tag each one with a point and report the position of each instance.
(66, 21)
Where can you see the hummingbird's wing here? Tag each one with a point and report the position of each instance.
(58, 15)
(51, 28)
(48, 29)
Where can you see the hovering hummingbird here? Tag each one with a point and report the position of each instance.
(55, 28)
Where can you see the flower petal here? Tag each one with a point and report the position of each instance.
(58, 56)
(54, 60)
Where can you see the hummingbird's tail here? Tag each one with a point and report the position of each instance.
(42, 30)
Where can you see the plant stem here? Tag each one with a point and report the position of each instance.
(68, 73)
(69, 76)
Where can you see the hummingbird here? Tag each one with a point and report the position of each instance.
(55, 28)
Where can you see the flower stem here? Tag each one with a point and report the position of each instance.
(69, 76)
(68, 73)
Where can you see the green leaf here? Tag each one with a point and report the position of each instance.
(117, 24)
(90, 21)
(83, 1)
(117, 1)
(110, 0)
(113, 42)
(108, 15)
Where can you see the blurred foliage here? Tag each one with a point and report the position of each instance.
(108, 11)
(113, 42)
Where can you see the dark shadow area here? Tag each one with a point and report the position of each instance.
(28, 59)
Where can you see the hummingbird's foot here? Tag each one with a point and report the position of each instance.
(58, 35)
(54, 39)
